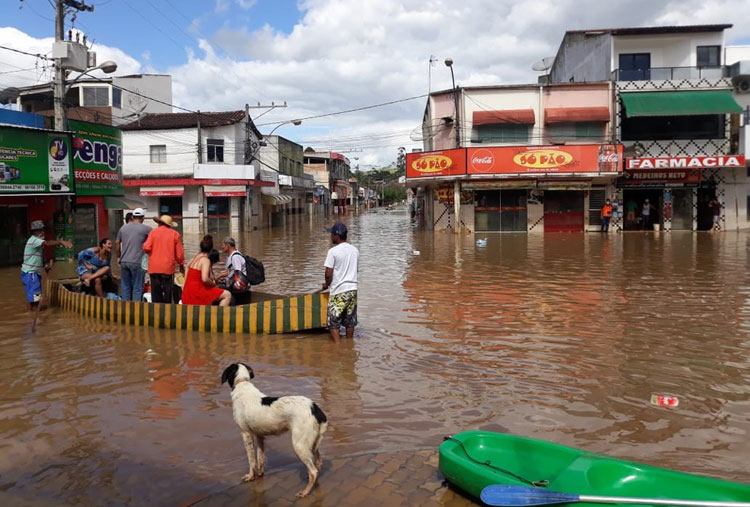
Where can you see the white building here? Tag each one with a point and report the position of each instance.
(676, 115)
(193, 167)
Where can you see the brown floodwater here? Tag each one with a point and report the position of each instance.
(562, 336)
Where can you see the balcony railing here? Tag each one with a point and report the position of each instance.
(669, 73)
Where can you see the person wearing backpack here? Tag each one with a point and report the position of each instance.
(235, 275)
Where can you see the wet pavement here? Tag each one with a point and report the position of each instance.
(563, 337)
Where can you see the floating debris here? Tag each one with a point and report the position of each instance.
(665, 400)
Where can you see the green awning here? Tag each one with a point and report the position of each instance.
(112, 202)
(681, 103)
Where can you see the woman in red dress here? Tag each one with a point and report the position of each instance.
(200, 287)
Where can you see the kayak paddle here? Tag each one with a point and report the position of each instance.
(517, 496)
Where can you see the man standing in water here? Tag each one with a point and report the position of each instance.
(342, 265)
(33, 262)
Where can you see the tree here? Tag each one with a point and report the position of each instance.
(401, 160)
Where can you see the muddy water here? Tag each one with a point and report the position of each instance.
(562, 337)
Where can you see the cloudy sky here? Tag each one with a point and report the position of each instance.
(324, 56)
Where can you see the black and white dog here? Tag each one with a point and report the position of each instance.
(259, 415)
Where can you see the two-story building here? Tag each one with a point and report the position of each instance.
(331, 172)
(676, 116)
(194, 167)
(284, 157)
(518, 158)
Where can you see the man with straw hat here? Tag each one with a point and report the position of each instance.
(33, 262)
(164, 249)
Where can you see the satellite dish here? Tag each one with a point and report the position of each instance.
(543, 64)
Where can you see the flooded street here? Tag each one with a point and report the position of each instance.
(561, 336)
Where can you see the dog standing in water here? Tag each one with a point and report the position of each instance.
(259, 415)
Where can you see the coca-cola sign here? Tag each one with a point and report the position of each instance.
(482, 161)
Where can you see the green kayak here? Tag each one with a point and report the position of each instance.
(476, 459)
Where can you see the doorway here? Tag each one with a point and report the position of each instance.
(217, 214)
(172, 205)
(706, 194)
(500, 210)
(13, 229)
(563, 210)
(636, 201)
(682, 209)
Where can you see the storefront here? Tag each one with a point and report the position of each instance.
(36, 181)
(672, 193)
(551, 197)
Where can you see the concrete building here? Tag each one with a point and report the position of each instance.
(193, 167)
(676, 117)
(331, 172)
(110, 100)
(526, 158)
(284, 157)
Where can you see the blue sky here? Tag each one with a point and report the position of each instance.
(160, 28)
(322, 56)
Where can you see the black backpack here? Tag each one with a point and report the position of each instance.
(254, 273)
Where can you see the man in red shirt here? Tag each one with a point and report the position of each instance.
(164, 249)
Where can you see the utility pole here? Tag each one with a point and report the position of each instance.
(201, 224)
(61, 121)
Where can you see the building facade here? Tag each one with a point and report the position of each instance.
(110, 100)
(193, 167)
(530, 158)
(677, 116)
(331, 172)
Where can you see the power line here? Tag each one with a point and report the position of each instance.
(37, 55)
(373, 106)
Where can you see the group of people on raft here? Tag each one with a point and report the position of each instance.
(159, 251)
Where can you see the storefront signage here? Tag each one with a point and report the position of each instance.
(436, 163)
(489, 185)
(660, 178)
(605, 158)
(97, 159)
(685, 162)
(445, 195)
(34, 161)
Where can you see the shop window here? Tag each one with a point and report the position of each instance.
(170, 205)
(708, 56)
(158, 153)
(576, 131)
(95, 96)
(634, 67)
(117, 98)
(503, 133)
(85, 227)
(215, 150)
(643, 128)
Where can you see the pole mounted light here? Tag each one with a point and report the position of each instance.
(449, 64)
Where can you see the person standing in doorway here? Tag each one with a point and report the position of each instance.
(606, 215)
(33, 262)
(646, 214)
(715, 206)
(129, 248)
(165, 249)
(342, 266)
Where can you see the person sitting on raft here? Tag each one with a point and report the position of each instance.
(200, 286)
(94, 268)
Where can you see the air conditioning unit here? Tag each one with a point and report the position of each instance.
(741, 84)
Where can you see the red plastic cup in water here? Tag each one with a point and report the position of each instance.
(664, 400)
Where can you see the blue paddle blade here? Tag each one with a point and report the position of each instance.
(521, 496)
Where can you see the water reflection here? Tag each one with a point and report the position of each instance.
(563, 337)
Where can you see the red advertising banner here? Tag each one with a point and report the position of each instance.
(660, 177)
(685, 162)
(588, 159)
(431, 164)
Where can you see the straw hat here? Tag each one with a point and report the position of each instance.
(166, 220)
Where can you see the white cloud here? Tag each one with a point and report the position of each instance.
(343, 54)
(246, 4)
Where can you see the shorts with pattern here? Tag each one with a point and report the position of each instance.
(342, 310)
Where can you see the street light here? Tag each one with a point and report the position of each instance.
(62, 86)
(293, 122)
(449, 64)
